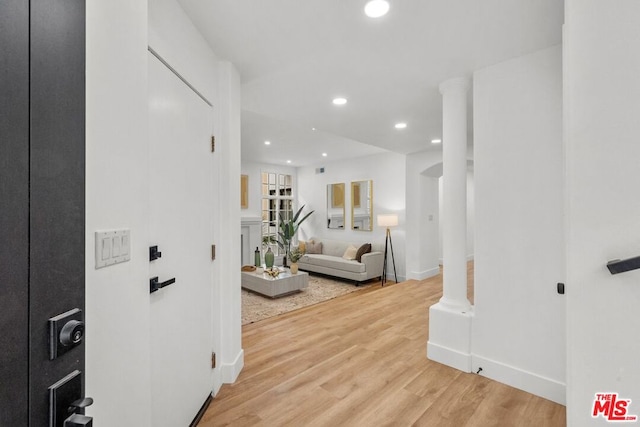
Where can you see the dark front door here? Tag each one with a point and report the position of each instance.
(42, 92)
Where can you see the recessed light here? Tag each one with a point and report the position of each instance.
(313, 128)
(376, 8)
(324, 154)
(436, 141)
(401, 125)
(288, 161)
(267, 143)
(340, 101)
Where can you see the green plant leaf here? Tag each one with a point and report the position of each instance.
(295, 217)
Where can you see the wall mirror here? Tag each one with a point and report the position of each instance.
(244, 191)
(362, 205)
(335, 206)
(277, 202)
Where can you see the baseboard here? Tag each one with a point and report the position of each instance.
(450, 357)
(230, 371)
(393, 278)
(515, 377)
(421, 275)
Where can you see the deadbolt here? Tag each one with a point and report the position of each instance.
(66, 331)
(72, 332)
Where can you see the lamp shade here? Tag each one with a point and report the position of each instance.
(388, 220)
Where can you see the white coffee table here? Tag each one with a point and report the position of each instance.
(273, 287)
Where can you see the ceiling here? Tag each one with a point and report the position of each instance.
(295, 56)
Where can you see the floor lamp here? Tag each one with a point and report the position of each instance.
(389, 220)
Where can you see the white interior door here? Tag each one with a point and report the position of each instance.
(181, 224)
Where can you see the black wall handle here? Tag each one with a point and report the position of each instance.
(620, 266)
(154, 284)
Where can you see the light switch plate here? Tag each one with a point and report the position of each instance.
(112, 247)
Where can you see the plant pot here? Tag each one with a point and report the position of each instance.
(294, 268)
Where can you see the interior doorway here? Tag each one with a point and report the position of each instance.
(181, 205)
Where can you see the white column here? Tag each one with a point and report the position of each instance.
(451, 318)
(454, 194)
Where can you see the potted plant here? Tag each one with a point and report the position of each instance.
(289, 228)
(294, 255)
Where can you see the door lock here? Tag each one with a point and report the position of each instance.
(72, 333)
(66, 404)
(154, 253)
(66, 331)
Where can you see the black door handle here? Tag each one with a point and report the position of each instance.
(154, 285)
(80, 404)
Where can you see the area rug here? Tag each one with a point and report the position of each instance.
(256, 307)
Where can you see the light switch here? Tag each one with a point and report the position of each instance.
(124, 249)
(112, 247)
(115, 247)
(106, 248)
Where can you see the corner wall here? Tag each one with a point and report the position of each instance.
(519, 325)
(424, 213)
(117, 299)
(602, 135)
(227, 302)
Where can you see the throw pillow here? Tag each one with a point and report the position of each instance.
(302, 245)
(364, 249)
(314, 248)
(350, 253)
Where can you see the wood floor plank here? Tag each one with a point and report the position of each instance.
(360, 360)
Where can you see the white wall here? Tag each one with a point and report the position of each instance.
(602, 134)
(117, 179)
(424, 213)
(388, 174)
(174, 37)
(117, 297)
(519, 325)
(226, 282)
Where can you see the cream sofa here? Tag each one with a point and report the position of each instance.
(331, 262)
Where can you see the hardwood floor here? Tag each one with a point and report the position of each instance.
(360, 360)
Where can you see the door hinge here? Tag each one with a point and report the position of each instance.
(213, 144)
(213, 252)
(213, 360)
